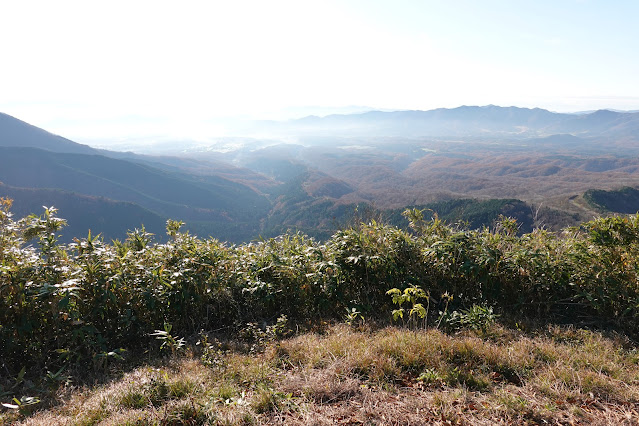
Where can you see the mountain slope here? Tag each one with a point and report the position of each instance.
(624, 200)
(213, 198)
(83, 213)
(189, 198)
(14, 132)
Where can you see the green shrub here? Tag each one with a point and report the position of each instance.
(88, 301)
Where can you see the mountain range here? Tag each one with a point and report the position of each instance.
(378, 159)
(473, 121)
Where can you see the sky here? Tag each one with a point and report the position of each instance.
(112, 71)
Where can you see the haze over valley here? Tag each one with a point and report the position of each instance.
(317, 174)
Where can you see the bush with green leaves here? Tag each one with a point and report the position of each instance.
(477, 318)
(416, 311)
(78, 303)
(370, 260)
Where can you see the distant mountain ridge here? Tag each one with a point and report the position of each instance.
(466, 121)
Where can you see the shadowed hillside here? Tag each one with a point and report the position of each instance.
(14, 132)
(102, 216)
(213, 201)
(624, 200)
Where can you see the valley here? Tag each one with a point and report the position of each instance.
(318, 174)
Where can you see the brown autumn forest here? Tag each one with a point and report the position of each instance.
(311, 174)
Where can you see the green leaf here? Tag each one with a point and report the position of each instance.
(398, 313)
(419, 310)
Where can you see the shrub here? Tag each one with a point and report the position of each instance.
(87, 301)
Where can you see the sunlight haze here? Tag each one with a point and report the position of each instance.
(117, 70)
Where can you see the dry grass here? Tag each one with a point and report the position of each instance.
(388, 376)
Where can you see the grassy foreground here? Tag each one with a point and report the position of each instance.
(348, 375)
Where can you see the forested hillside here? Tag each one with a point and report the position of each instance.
(102, 216)
(215, 203)
(246, 188)
(624, 200)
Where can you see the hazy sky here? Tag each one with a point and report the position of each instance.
(116, 69)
